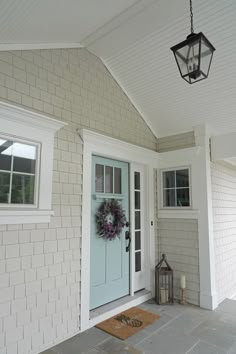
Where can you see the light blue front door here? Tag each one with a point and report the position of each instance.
(109, 260)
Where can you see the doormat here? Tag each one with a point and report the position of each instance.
(128, 322)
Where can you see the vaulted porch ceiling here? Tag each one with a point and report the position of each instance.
(133, 38)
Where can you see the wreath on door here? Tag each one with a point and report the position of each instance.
(110, 219)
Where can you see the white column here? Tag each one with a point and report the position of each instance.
(208, 296)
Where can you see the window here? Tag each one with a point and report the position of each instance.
(26, 165)
(18, 164)
(176, 188)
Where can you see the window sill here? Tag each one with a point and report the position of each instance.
(13, 216)
(178, 214)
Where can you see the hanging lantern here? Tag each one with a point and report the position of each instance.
(164, 292)
(194, 55)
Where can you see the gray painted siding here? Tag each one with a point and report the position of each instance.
(40, 264)
(176, 142)
(178, 239)
(224, 224)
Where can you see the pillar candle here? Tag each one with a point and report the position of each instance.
(183, 281)
(164, 296)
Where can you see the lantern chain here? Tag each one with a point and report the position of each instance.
(191, 16)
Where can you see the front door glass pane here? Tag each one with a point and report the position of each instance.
(99, 178)
(108, 179)
(117, 180)
(136, 180)
(137, 240)
(138, 261)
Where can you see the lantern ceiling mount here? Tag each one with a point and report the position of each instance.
(193, 55)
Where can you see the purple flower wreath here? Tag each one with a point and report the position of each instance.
(110, 219)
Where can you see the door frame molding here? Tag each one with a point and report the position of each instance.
(104, 146)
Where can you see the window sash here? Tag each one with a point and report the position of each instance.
(12, 173)
(175, 189)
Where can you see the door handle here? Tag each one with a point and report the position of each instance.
(127, 237)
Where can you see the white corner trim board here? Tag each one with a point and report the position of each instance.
(19, 123)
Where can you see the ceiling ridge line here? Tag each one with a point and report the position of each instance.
(107, 27)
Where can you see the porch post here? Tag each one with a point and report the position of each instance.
(208, 295)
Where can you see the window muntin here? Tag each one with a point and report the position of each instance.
(176, 188)
(18, 172)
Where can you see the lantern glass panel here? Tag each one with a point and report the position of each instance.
(206, 56)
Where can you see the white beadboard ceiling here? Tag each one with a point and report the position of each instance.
(133, 38)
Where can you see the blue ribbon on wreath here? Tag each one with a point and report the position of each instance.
(110, 219)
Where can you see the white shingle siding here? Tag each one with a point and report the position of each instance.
(178, 239)
(224, 219)
(40, 263)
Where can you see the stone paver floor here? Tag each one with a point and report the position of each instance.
(180, 330)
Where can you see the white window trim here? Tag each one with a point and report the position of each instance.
(20, 124)
(190, 188)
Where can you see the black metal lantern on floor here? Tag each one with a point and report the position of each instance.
(164, 282)
(194, 55)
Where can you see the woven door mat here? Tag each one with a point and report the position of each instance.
(128, 322)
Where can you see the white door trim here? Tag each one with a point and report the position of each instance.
(102, 145)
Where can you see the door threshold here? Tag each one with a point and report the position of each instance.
(113, 308)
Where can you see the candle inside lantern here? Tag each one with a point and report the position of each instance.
(164, 296)
(183, 281)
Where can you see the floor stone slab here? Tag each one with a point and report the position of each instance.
(167, 344)
(115, 346)
(206, 348)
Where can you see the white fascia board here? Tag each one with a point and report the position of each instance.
(31, 46)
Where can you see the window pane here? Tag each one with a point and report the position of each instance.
(183, 197)
(182, 178)
(169, 198)
(5, 159)
(4, 187)
(5, 162)
(169, 179)
(137, 220)
(24, 158)
(136, 180)
(109, 179)
(137, 240)
(23, 165)
(137, 200)
(137, 261)
(99, 184)
(22, 189)
(117, 180)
